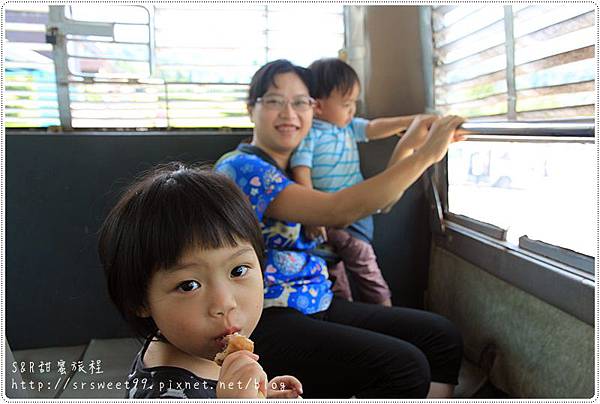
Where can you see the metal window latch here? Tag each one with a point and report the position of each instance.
(51, 35)
(435, 207)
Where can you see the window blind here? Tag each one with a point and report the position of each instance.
(162, 65)
(30, 84)
(543, 54)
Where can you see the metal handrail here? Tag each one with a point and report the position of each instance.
(574, 129)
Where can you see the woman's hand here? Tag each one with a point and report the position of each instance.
(441, 134)
(284, 387)
(241, 376)
(416, 134)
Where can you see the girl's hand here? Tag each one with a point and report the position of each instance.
(241, 376)
(284, 387)
(441, 134)
(314, 232)
(416, 134)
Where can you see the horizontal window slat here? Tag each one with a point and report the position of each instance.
(177, 114)
(484, 56)
(470, 71)
(24, 104)
(467, 104)
(557, 74)
(586, 86)
(114, 114)
(209, 56)
(555, 46)
(115, 88)
(12, 122)
(556, 60)
(474, 22)
(28, 17)
(118, 123)
(107, 68)
(477, 42)
(94, 106)
(25, 36)
(24, 27)
(233, 122)
(236, 74)
(109, 50)
(554, 101)
(31, 46)
(573, 24)
(26, 7)
(30, 95)
(116, 98)
(494, 105)
(29, 113)
(534, 18)
(486, 79)
(444, 16)
(558, 113)
(129, 14)
(296, 18)
(206, 7)
(188, 39)
(329, 8)
(476, 92)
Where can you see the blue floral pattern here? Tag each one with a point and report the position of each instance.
(293, 276)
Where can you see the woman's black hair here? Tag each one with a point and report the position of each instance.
(162, 215)
(265, 77)
(332, 74)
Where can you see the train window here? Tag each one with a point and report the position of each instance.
(166, 65)
(522, 63)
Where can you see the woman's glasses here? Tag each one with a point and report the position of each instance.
(278, 103)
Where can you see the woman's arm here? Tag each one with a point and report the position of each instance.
(339, 209)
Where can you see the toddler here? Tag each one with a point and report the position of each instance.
(182, 252)
(328, 160)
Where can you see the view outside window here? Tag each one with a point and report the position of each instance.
(544, 191)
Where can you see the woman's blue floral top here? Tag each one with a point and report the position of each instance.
(293, 277)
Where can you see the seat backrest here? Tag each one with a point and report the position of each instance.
(59, 189)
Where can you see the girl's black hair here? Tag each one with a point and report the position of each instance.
(162, 215)
(265, 77)
(331, 74)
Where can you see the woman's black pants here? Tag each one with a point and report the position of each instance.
(361, 350)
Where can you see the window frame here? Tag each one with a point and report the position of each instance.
(551, 273)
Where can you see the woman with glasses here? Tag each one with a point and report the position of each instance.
(337, 348)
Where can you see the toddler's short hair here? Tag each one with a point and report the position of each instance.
(332, 74)
(162, 215)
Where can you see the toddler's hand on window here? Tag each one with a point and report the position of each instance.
(416, 134)
(315, 232)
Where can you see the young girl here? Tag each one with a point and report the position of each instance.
(182, 253)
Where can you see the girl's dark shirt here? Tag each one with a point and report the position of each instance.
(166, 381)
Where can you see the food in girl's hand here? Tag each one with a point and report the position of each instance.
(235, 342)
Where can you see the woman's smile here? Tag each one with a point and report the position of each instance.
(287, 128)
